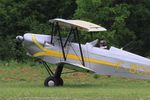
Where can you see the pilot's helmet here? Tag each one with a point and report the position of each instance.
(103, 43)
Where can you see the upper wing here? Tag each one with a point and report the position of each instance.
(80, 24)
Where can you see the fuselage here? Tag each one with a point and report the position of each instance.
(114, 61)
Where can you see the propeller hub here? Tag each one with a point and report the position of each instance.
(19, 38)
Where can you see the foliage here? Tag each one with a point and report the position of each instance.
(9, 49)
(20, 16)
(126, 21)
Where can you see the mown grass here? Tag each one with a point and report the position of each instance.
(24, 81)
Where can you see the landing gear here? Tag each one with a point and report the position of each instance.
(54, 79)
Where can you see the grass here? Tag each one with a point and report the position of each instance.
(25, 82)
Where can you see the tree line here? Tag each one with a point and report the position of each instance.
(127, 21)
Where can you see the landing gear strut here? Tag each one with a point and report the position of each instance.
(54, 79)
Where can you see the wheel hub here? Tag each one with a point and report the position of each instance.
(51, 83)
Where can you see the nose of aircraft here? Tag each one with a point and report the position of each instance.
(19, 38)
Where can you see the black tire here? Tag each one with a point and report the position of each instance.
(59, 82)
(51, 81)
(46, 82)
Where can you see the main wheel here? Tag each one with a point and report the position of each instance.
(49, 81)
(52, 81)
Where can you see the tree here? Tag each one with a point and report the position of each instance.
(126, 21)
(20, 16)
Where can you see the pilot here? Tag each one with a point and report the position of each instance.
(103, 44)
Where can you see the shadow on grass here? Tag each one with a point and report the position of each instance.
(83, 85)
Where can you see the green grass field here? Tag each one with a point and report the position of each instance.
(25, 82)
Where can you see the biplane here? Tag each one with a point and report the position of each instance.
(68, 52)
